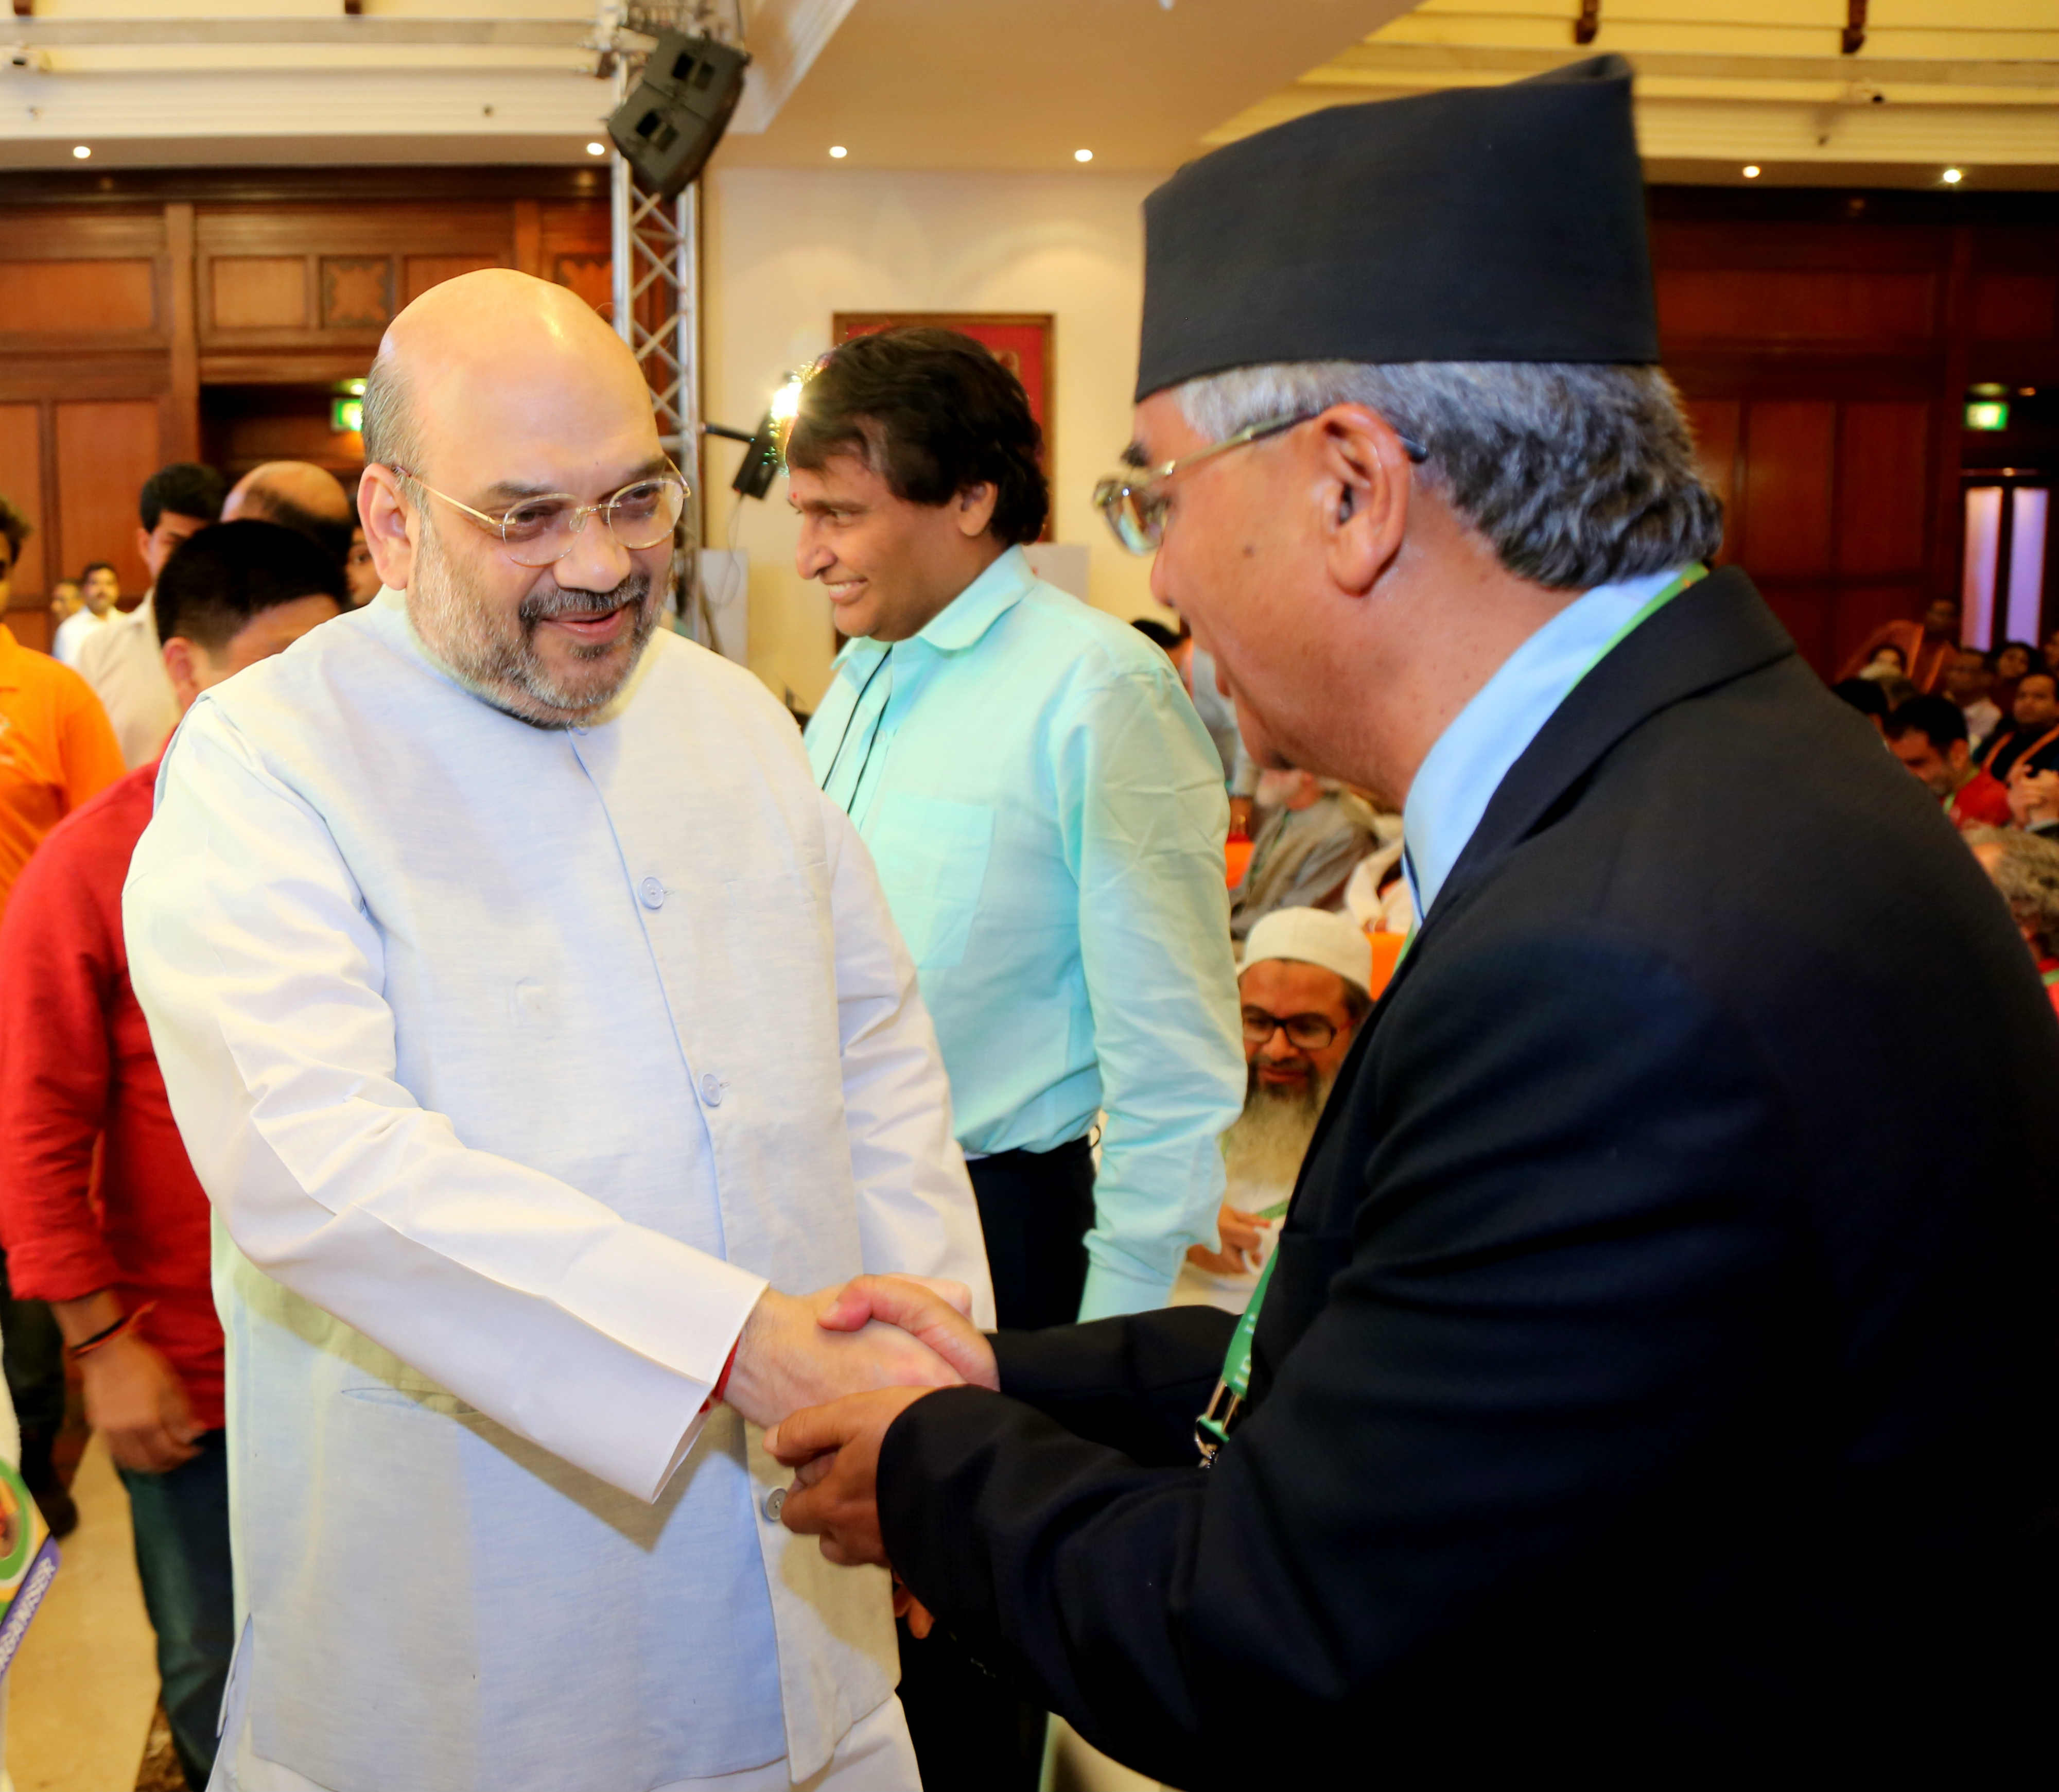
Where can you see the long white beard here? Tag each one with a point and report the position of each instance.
(1263, 1149)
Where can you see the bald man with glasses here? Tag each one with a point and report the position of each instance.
(533, 1021)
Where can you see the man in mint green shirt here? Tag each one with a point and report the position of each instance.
(1047, 815)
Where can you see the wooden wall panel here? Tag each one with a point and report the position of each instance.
(258, 292)
(1883, 488)
(1819, 305)
(2013, 306)
(1717, 423)
(67, 298)
(21, 483)
(425, 271)
(1788, 486)
(1808, 612)
(105, 449)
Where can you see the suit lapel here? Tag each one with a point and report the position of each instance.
(1716, 630)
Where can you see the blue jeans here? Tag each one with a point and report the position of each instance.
(182, 1525)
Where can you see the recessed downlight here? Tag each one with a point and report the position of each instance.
(81, 151)
(596, 148)
(1083, 155)
(1953, 176)
(838, 152)
(1751, 171)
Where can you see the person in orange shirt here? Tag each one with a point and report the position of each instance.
(56, 750)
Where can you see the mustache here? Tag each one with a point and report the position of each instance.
(560, 600)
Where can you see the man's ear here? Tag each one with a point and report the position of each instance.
(1362, 492)
(388, 522)
(972, 508)
(142, 551)
(183, 666)
(1957, 754)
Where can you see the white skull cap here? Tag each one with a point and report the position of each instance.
(1313, 937)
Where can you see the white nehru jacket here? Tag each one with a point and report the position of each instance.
(515, 1062)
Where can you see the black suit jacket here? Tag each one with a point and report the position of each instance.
(1657, 1377)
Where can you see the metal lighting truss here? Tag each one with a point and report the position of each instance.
(655, 244)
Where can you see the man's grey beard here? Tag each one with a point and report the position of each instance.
(1263, 1149)
(500, 666)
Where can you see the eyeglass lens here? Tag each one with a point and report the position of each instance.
(1306, 1032)
(542, 530)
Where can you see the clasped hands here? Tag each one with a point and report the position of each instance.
(829, 1373)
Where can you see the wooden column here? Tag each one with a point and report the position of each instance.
(181, 432)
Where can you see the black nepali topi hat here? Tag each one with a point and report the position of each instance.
(1484, 224)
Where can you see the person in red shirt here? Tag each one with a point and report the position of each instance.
(56, 750)
(1928, 735)
(121, 1251)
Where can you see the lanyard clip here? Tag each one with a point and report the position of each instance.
(1212, 1429)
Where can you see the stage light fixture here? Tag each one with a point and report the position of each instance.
(81, 151)
(838, 152)
(669, 126)
(1751, 171)
(1953, 176)
(765, 448)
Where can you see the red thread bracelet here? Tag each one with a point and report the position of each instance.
(722, 1381)
(121, 1327)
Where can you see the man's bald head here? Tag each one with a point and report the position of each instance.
(298, 495)
(496, 396)
(491, 332)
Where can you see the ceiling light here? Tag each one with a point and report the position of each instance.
(1953, 176)
(1751, 171)
(1083, 155)
(81, 151)
(596, 148)
(838, 152)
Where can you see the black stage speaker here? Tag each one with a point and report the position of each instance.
(668, 127)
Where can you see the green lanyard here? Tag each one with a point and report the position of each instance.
(1212, 1429)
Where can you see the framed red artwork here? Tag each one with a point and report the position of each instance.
(1021, 341)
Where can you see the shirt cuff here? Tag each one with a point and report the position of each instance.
(1110, 1292)
(740, 1317)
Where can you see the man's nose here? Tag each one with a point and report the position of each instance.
(811, 558)
(597, 563)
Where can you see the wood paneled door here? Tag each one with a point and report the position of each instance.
(126, 299)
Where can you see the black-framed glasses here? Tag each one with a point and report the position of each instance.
(1306, 1032)
(1136, 503)
(541, 531)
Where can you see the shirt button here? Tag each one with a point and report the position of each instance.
(652, 892)
(712, 1089)
(776, 1503)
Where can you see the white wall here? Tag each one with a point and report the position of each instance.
(786, 249)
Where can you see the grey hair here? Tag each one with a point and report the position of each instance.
(1577, 475)
(2026, 872)
(392, 437)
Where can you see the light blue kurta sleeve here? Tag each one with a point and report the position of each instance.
(1141, 794)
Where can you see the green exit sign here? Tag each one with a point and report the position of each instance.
(348, 414)
(1987, 413)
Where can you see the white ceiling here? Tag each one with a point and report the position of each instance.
(1021, 84)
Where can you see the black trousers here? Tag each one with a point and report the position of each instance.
(973, 1732)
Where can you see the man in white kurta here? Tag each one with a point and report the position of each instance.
(521, 1040)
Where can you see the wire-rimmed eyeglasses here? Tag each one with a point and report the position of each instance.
(1136, 503)
(541, 531)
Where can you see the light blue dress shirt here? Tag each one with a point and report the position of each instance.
(1047, 815)
(1463, 770)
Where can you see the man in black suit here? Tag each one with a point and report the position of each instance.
(1655, 1380)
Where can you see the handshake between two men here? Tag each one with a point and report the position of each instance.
(828, 1373)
